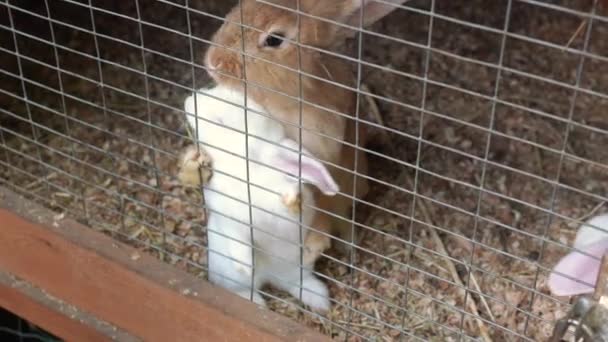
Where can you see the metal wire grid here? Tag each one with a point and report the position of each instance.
(470, 266)
(14, 328)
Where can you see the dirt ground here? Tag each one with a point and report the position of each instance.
(111, 161)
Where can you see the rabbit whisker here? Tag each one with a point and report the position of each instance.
(327, 71)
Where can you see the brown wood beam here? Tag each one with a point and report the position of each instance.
(136, 292)
(32, 307)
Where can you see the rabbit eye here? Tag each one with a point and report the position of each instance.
(274, 40)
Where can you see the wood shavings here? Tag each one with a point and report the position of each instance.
(116, 191)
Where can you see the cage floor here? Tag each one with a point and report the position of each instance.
(115, 169)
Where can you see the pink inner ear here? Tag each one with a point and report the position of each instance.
(319, 173)
(583, 270)
(312, 172)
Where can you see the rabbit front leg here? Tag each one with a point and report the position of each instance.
(191, 161)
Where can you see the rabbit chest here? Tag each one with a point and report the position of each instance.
(276, 229)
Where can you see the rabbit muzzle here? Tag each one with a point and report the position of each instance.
(223, 66)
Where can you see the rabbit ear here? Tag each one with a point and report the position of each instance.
(583, 270)
(312, 171)
(372, 11)
(324, 33)
(349, 11)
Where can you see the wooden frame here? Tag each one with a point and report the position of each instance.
(55, 316)
(143, 297)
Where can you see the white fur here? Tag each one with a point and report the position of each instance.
(273, 235)
(593, 231)
(581, 269)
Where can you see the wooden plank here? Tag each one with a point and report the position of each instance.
(58, 306)
(137, 293)
(50, 319)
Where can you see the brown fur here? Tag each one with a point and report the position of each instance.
(315, 243)
(262, 75)
(261, 72)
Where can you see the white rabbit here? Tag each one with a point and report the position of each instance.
(592, 239)
(275, 237)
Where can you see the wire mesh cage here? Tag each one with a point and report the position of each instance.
(14, 328)
(483, 124)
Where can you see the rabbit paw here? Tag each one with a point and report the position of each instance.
(314, 245)
(292, 200)
(191, 161)
(314, 294)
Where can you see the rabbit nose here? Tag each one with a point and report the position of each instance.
(214, 65)
(228, 68)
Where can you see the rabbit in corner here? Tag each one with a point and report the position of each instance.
(275, 216)
(592, 239)
(272, 61)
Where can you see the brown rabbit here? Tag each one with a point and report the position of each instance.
(270, 65)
